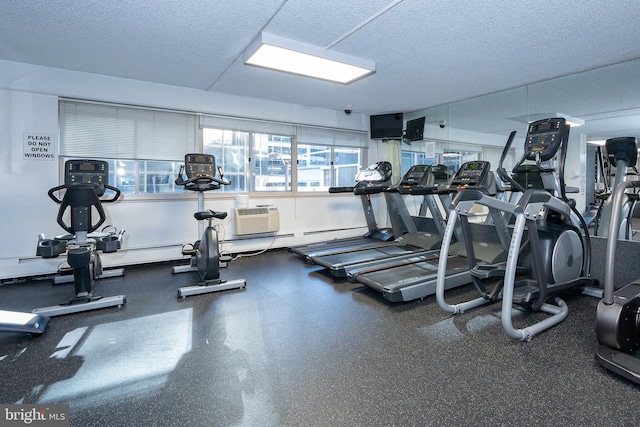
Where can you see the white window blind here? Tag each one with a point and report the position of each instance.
(333, 137)
(247, 125)
(117, 132)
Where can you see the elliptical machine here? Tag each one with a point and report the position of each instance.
(622, 152)
(85, 181)
(556, 254)
(200, 170)
(618, 313)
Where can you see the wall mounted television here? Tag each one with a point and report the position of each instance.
(415, 129)
(386, 126)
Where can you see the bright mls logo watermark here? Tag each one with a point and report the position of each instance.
(34, 415)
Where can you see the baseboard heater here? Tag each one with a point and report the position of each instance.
(262, 219)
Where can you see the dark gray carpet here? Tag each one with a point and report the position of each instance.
(299, 348)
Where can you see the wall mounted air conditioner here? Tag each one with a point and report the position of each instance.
(256, 220)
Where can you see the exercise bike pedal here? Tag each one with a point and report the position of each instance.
(65, 271)
(189, 252)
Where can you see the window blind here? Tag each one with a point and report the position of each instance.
(247, 125)
(334, 137)
(118, 132)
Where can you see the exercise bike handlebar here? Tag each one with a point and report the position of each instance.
(202, 179)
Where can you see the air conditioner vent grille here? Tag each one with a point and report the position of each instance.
(256, 220)
(253, 211)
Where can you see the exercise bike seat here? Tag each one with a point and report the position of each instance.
(208, 214)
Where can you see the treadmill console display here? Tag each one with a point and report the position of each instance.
(416, 175)
(472, 174)
(424, 179)
(87, 172)
(544, 138)
(197, 165)
(378, 172)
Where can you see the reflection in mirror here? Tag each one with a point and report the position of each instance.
(606, 100)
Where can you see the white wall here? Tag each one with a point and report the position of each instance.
(156, 229)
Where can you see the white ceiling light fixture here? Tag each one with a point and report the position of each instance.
(599, 142)
(281, 54)
(571, 121)
(529, 118)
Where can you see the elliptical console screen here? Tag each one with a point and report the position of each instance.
(86, 172)
(544, 138)
(197, 165)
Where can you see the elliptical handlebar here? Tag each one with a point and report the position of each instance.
(502, 173)
(115, 196)
(52, 196)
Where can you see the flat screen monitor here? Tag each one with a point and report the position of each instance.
(386, 126)
(415, 129)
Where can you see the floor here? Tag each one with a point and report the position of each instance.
(298, 348)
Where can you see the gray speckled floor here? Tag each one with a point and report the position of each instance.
(298, 348)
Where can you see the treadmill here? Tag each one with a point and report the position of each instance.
(412, 241)
(372, 180)
(416, 278)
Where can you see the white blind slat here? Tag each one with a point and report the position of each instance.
(108, 131)
(333, 137)
(247, 125)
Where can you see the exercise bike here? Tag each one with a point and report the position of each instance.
(85, 182)
(200, 172)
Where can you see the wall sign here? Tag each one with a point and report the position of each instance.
(38, 146)
(430, 149)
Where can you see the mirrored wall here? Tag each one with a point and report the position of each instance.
(606, 100)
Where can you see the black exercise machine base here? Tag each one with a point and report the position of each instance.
(62, 309)
(68, 278)
(206, 288)
(617, 361)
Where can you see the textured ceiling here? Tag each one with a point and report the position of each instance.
(426, 52)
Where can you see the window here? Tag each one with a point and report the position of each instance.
(410, 158)
(347, 163)
(271, 156)
(454, 159)
(322, 166)
(230, 149)
(328, 157)
(145, 149)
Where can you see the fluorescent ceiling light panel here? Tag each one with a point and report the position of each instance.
(290, 56)
(571, 121)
